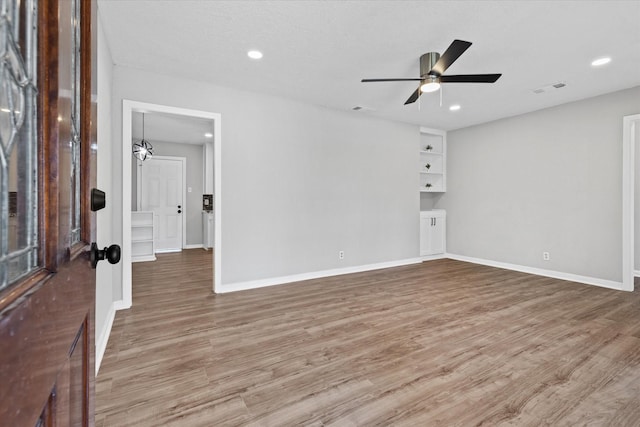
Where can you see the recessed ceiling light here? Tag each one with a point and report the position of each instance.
(254, 54)
(601, 61)
(455, 107)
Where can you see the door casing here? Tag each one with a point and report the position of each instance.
(629, 146)
(128, 108)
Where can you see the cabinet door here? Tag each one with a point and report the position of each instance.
(425, 235)
(432, 235)
(436, 236)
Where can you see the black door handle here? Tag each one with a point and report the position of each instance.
(179, 207)
(111, 254)
(179, 211)
(98, 200)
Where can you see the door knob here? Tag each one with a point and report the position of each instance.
(179, 206)
(179, 211)
(111, 254)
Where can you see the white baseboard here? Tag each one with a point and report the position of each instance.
(103, 338)
(636, 273)
(195, 246)
(168, 251)
(610, 284)
(253, 284)
(432, 257)
(121, 305)
(143, 258)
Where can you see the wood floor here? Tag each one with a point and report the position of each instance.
(443, 343)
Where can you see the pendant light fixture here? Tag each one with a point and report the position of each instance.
(142, 150)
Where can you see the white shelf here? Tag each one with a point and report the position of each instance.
(434, 179)
(142, 243)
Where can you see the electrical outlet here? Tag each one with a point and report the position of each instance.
(341, 255)
(545, 256)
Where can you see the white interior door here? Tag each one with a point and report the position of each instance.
(162, 191)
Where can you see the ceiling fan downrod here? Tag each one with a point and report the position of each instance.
(427, 62)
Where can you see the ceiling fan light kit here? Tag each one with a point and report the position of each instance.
(430, 86)
(432, 67)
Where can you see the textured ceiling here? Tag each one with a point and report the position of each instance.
(171, 128)
(317, 51)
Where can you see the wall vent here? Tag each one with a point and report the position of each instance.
(549, 88)
(361, 108)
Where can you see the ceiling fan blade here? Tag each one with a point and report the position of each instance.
(414, 97)
(417, 79)
(450, 55)
(470, 78)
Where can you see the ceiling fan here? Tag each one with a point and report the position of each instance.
(432, 65)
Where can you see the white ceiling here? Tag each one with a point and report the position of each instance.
(171, 128)
(318, 51)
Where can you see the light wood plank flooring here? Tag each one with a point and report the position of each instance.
(443, 343)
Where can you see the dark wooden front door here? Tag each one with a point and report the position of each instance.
(47, 318)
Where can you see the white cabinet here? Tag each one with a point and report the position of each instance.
(142, 243)
(433, 160)
(433, 233)
(207, 229)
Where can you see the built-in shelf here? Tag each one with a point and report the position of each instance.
(432, 167)
(142, 243)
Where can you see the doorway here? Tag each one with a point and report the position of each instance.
(212, 182)
(161, 181)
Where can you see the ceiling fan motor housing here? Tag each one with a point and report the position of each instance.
(427, 61)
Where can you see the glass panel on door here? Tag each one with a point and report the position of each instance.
(18, 139)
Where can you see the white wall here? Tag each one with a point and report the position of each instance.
(300, 182)
(429, 200)
(544, 181)
(105, 281)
